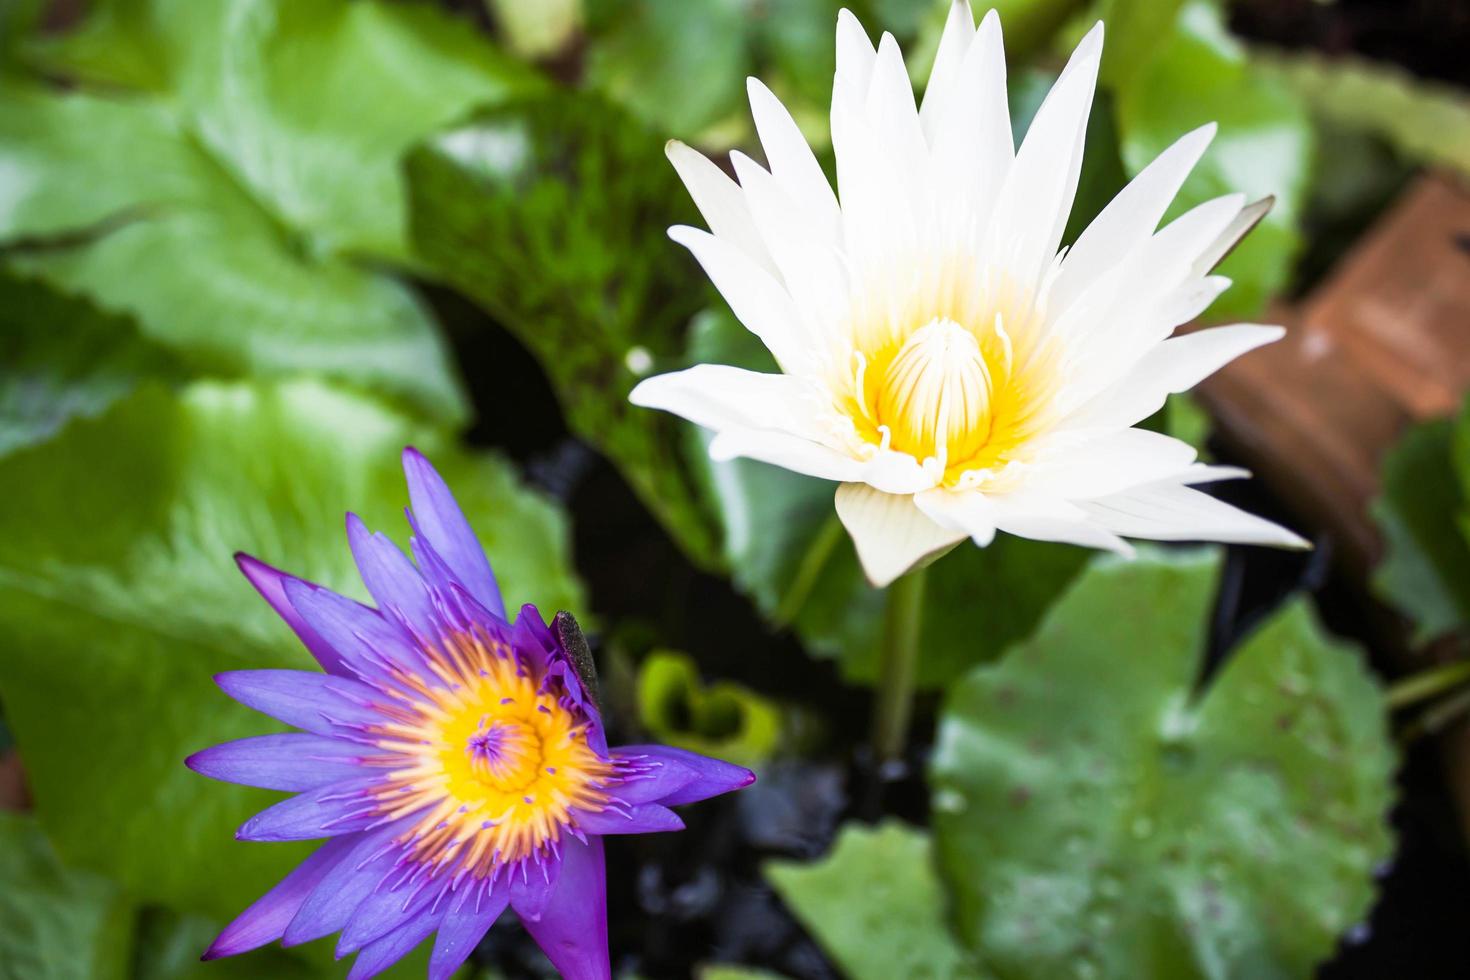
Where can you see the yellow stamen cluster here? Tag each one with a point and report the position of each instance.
(495, 764)
(952, 371)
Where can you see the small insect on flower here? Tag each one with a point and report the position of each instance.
(941, 358)
(454, 762)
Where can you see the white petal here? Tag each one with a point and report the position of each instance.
(756, 298)
(717, 396)
(895, 472)
(855, 54)
(890, 533)
(786, 451)
(954, 43)
(1119, 318)
(1082, 466)
(811, 268)
(973, 149)
(1174, 366)
(1130, 218)
(1031, 214)
(1248, 218)
(791, 160)
(1053, 520)
(719, 201)
(878, 229)
(1191, 299)
(1171, 512)
(969, 512)
(894, 117)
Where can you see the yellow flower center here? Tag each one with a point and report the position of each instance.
(495, 764)
(951, 372)
(933, 393)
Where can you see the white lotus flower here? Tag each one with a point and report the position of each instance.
(940, 358)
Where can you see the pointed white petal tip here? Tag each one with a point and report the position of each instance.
(1091, 43)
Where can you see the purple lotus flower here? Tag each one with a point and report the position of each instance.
(455, 763)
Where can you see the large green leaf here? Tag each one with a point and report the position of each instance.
(63, 358)
(119, 601)
(56, 924)
(1424, 515)
(1197, 74)
(681, 67)
(223, 167)
(875, 905)
(787, 551)
(551, 214)
(1097, 815)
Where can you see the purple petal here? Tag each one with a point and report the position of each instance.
(389, 906)
(448, 533)
(464, 925)
(531, 883)
(270, 583)
(645, 818)
(709, 777)
(266, 920)
(319, 703)
(572, 931)
(331, 811)
(395, 584)
(334, 899)
(370, 645)
(294, 762)
(378, 956)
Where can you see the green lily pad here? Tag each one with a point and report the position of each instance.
(119, 601)
(875, 904)
(551, 214)
(1424, 514)
(222, 169)
(1096, 814)
(1197, 74)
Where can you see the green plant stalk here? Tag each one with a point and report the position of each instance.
(898, 666)
(809, 571)
(1427, 684)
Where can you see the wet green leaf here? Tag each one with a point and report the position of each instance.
(1424, 514)
(223, 168)
(1095, 813)
(551, 214)
(56, 924)
(63, 359)
(875, 905)
(119, 601)
(1197, 74)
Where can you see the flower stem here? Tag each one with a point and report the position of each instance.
(807, 573)
(1427, 684)
(902, 625)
